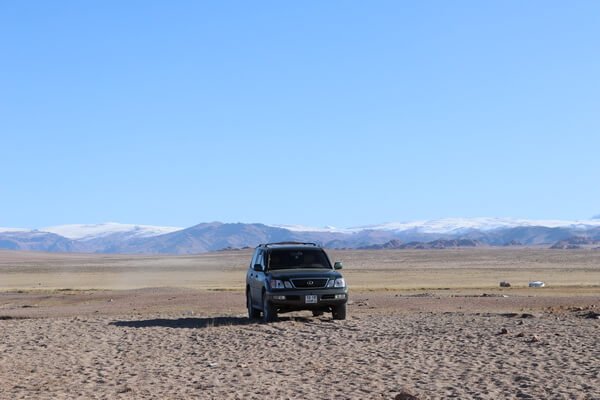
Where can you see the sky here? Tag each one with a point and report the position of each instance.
(340, 113)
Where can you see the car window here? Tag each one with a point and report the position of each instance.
(294, 258)
(253, 261)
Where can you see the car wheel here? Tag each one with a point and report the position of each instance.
(339, 312)
(269, 311)
(253, 313)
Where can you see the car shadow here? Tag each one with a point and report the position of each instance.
(199, 323)
(189, 323)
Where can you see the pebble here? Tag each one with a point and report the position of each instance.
(405, 395)
(534, 339)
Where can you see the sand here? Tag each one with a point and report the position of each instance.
(193, 342)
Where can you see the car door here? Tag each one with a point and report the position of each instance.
(250, 276)
(258, 278)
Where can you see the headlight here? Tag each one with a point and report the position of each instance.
(276, 284)
(339, 282)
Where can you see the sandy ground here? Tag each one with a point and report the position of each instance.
(190, 342)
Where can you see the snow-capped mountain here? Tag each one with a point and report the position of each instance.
(86, 232)
(86, 238)
(114, 237)
(454, 225)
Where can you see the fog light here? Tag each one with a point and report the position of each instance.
(340, 296)
(278, 297)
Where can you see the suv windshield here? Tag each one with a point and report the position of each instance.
(298, 258)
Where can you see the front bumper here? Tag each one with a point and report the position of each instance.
(291, 300)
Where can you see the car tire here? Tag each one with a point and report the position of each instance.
(339, 312)
(253, 313)
(269, 310)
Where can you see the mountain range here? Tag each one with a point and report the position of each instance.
(205, 237)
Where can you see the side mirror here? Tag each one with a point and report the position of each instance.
(258, 267)
(338, 265)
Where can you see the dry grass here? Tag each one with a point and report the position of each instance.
(470, 268)
(364, 270)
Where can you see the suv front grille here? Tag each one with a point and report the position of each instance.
(310, 283)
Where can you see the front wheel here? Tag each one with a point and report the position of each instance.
(339, 312)
(253, 313)
(269, 310)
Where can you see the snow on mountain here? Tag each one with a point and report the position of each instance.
(86, 232)
(93, 231)
(303, 228)
(14, 230)
(450, 225)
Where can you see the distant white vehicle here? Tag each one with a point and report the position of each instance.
(537, 284)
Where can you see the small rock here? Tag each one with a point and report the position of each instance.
(503, 331)
(404, 395)
(521, 334)
(534, 339)
(125, 389)
(592, 315)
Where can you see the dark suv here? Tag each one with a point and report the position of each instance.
(291, 276)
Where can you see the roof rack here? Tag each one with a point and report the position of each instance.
(288, 243)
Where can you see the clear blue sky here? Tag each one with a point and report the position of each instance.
(319, 112)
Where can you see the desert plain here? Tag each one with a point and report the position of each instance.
(433, 323)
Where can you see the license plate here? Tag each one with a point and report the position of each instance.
(310, 298)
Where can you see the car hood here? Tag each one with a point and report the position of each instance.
(304, 273)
